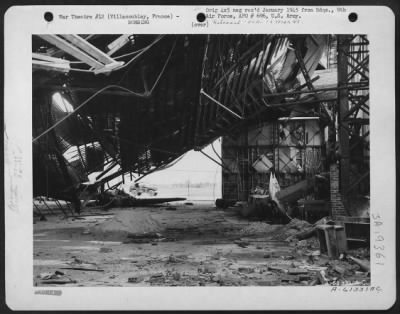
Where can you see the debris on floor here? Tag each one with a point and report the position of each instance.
(56, 277)
(105, 250)
(196, 245)
(170, 208)
(47, 276)
(126, 222)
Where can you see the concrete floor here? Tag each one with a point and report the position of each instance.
(186, 245)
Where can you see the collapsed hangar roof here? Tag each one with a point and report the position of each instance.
(138, 102)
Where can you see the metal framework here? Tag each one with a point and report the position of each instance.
(293, 155)
(267, 88)
(345, 111)
(353, 117)
(169, 94)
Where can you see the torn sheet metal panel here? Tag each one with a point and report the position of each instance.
(263, 164)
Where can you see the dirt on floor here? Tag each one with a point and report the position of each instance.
(180, 244)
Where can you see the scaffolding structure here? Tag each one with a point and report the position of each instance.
(353, 117)
(343, 137)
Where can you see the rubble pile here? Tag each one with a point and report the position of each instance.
(143, 247)
(124, 223)
(288, 231)
(309, 269)
(257, 228)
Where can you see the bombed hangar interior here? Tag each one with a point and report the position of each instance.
(290, 116)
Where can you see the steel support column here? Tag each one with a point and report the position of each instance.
(343, 109)
(353, 118)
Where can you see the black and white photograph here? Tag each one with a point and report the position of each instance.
(208, 157)
(201, 160)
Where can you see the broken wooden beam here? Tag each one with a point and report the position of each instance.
(364, 265)
(89, 48)
(83, 269)
(58, 282)
(71, 50)
(50, 66)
